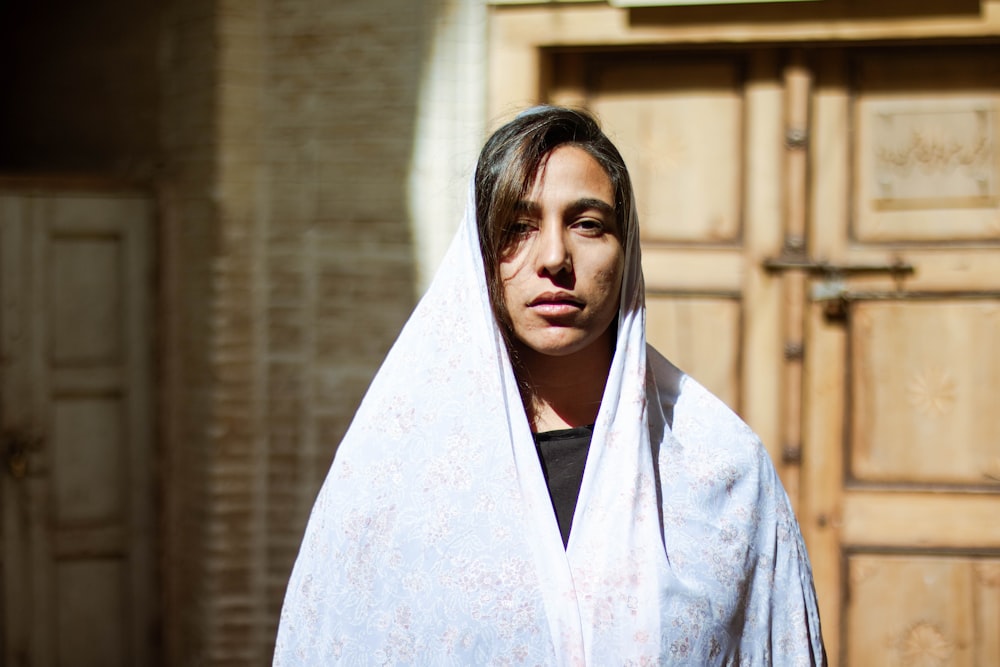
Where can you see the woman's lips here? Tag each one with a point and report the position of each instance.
(555, 303)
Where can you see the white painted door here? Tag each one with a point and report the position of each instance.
(77, 486)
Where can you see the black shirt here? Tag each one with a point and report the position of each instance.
(563, 455)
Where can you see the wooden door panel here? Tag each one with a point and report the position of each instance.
(679, 125)
(97, 286)
(708, 339)
(923, 375)
(915, 610)
(693, 269)
(85, 300)
(926, 167)
(89, 457)
(91, 618)
(900, 520)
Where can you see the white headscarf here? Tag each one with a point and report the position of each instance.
(434, 541)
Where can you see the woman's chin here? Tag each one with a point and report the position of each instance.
(558, 344)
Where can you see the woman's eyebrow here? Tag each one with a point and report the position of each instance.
(575, 208)
(588, 203)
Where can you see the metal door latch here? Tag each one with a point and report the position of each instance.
(822, 268)
(832, 291)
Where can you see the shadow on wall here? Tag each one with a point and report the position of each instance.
(340, 102)
(276, 142)
(80, 84)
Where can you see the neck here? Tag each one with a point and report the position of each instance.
(564, 391)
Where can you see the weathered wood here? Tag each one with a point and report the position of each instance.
(892, 158)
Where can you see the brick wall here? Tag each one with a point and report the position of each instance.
(340, 105)
(290, 132)
(189, 244)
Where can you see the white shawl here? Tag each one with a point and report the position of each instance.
(434, 541)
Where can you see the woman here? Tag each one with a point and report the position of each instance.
(526, 482)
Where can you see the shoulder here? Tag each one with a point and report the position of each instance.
(713, 467)
(698, 422)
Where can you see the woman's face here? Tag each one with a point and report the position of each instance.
(562, 277)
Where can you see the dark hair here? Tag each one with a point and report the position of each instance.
(506, 169)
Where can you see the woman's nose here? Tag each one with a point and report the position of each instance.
(553, 253)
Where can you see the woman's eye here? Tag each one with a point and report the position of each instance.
(589, 225)
(522, 228)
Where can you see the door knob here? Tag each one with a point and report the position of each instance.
(17, 446)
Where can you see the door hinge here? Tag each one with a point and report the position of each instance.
(796, 138)
(791, 454)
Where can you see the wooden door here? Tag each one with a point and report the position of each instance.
(77, 490)
(784, 194)
(901, 485)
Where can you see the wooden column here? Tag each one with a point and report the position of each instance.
(798, 82)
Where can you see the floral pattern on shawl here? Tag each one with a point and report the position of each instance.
(433, 539)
